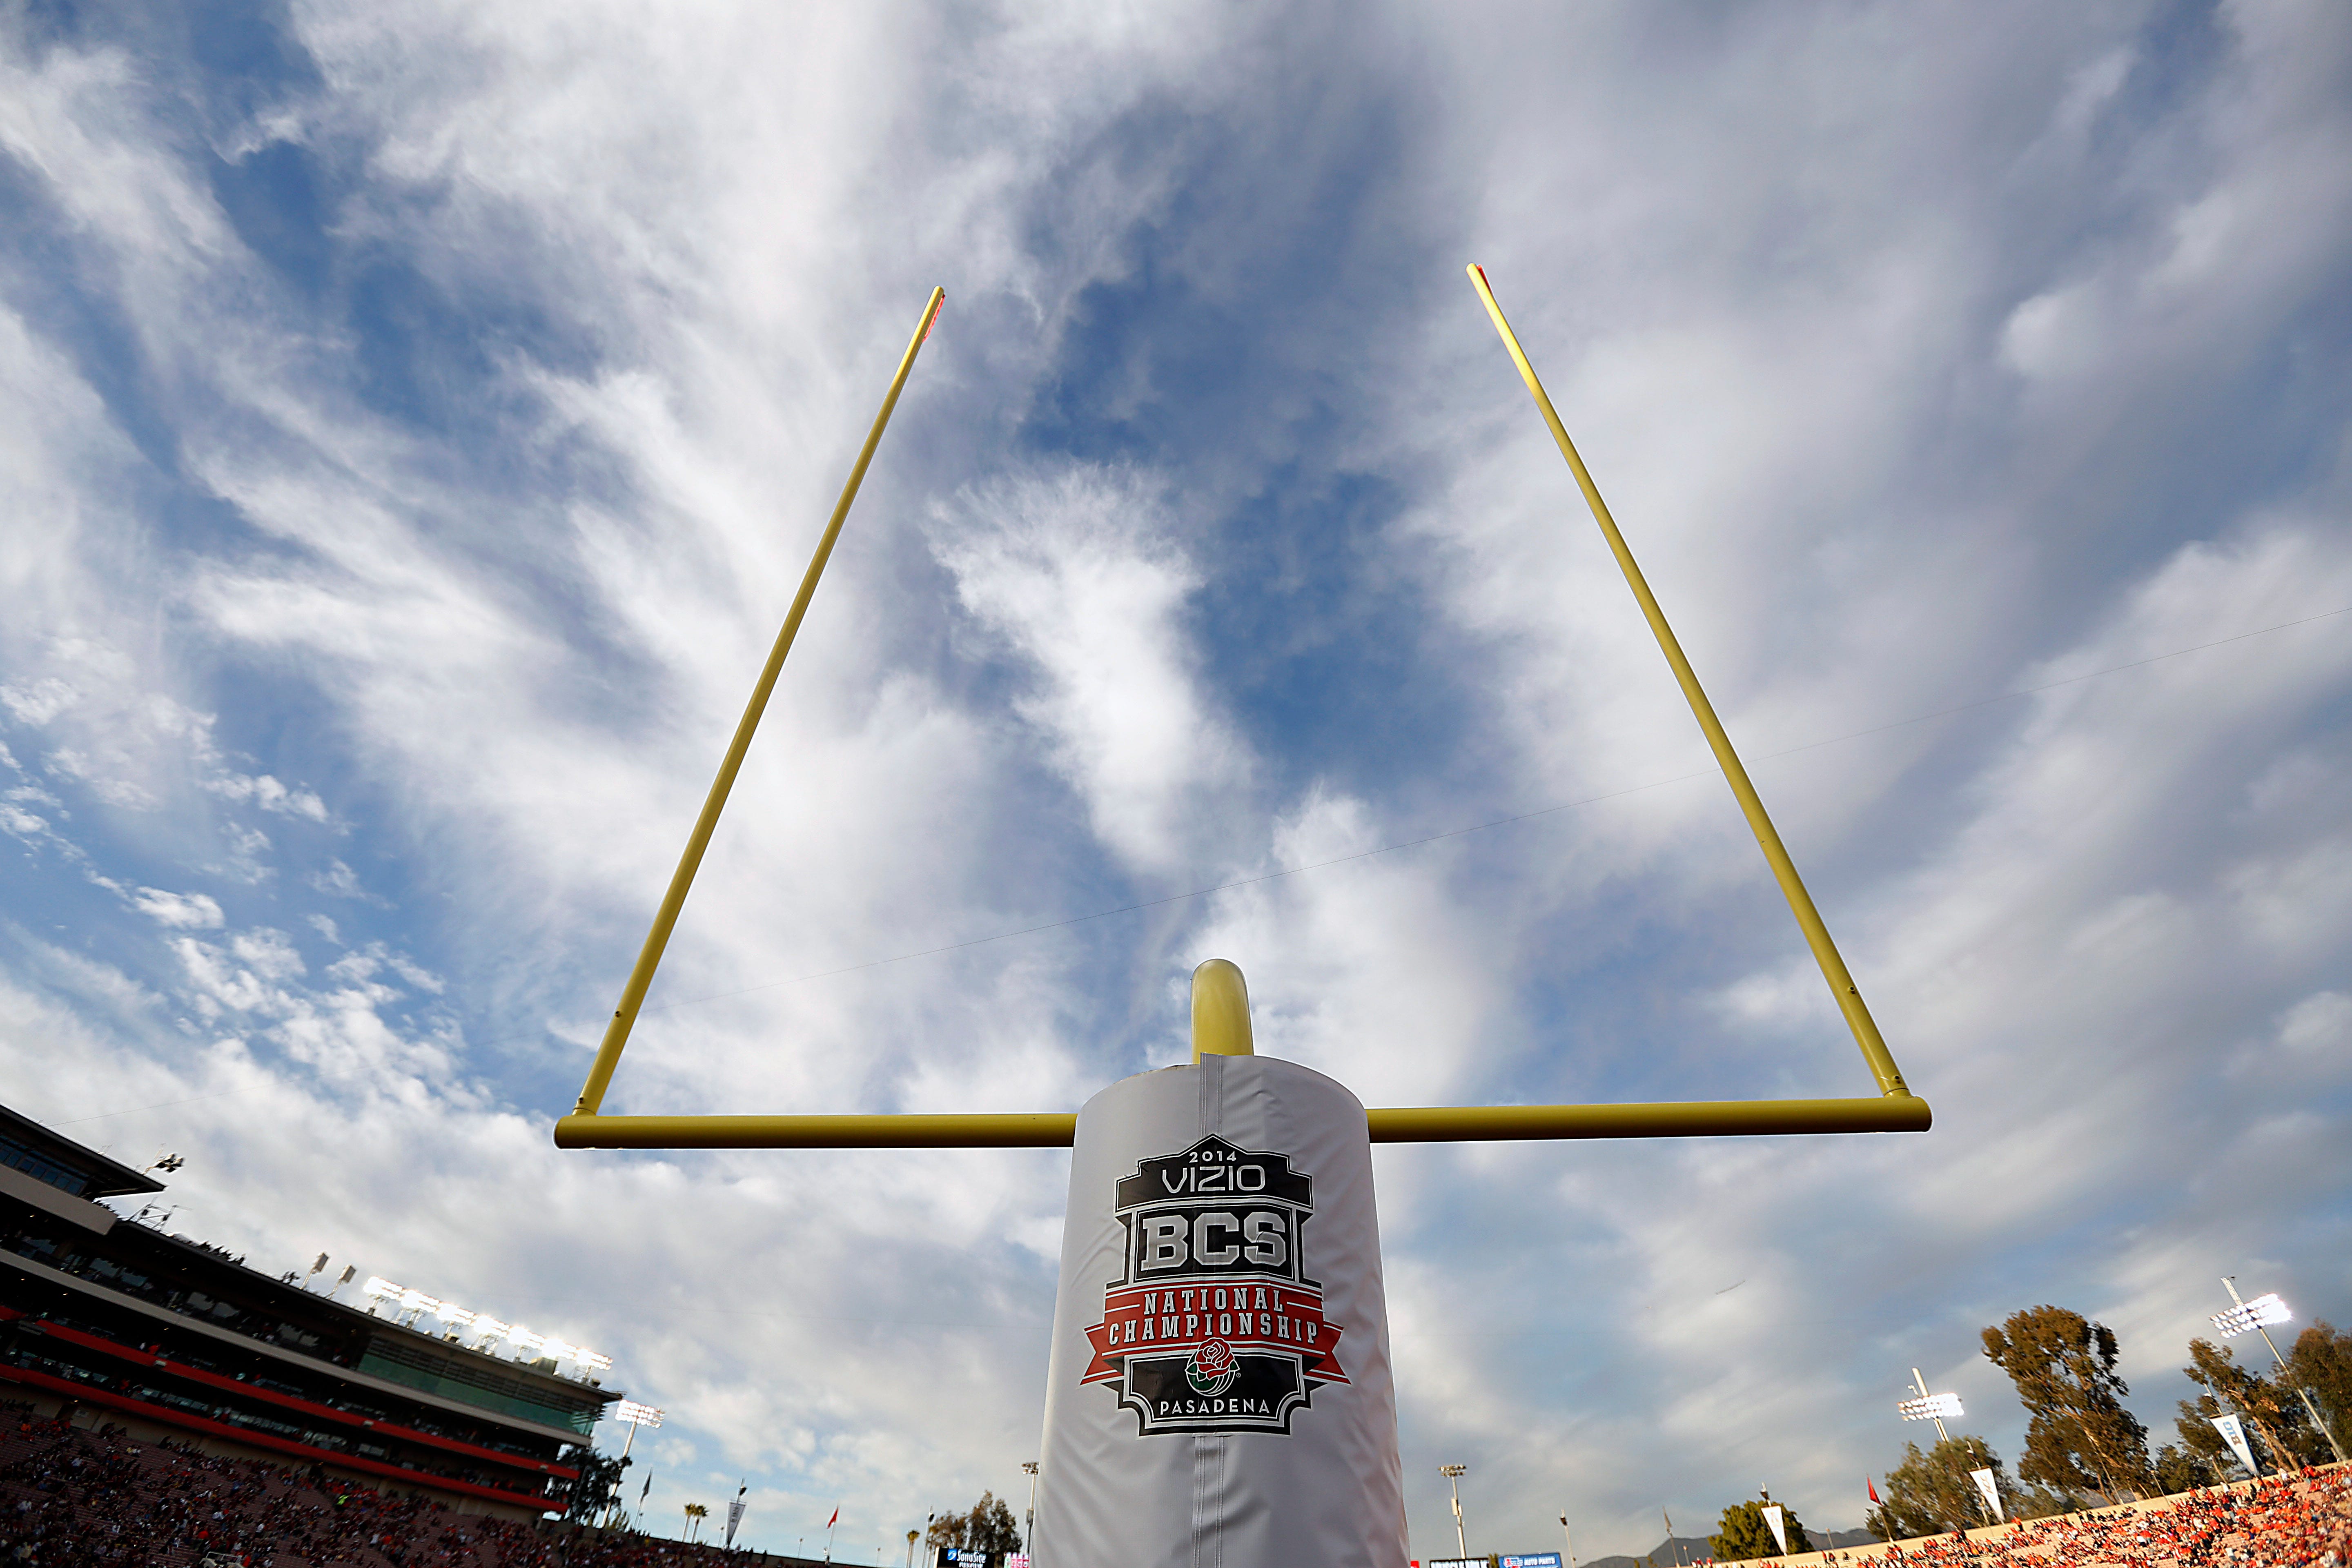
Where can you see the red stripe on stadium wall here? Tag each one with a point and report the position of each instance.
(186, 1422)
(290, 1401)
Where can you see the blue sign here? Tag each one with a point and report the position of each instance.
(1539, 1560)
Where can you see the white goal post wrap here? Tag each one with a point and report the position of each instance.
(1220, 1394)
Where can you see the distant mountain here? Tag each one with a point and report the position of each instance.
(1694, 1548)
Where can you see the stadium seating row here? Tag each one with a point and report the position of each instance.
(70, 1497)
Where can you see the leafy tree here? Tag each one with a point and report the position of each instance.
(2272, 1413)
(600, 1478)
(2035, 1500)
(2181, 1469)
(2080, 1438)
(992, 1528)
(1930, 1493)
(947, 1529)
(1745, 1536)
(988, 1528)
(2320, 1361)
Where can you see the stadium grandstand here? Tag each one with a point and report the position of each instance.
(72, 1496)
(2300, 1519)
(163, 1404)
(165, 1336)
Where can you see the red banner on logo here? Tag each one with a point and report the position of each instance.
(1247, 1315)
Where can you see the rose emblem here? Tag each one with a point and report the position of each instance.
(1212, 1369)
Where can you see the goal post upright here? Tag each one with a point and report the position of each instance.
(649, 957)
(1735, 773)
(1220, 1000)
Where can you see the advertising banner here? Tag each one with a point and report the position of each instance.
(1219, 1387)
(1536, 1559)
(2233, 1431)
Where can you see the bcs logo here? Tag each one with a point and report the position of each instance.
(1212, 1325)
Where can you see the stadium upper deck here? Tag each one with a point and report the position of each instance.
(167, 1332)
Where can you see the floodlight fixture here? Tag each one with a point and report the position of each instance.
(637, 1414)
(485, 1329)
(1930, 1407)
(2262, 1312)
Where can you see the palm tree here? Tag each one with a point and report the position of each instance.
(695, 1514)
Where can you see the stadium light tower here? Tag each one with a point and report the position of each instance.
(2258, 1315)
(636, 1416)
(1029, 1519)
(1931, 1407)
(1454, 1474)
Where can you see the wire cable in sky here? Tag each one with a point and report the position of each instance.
(160, 1105)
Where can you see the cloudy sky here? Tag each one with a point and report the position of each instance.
(414, 418)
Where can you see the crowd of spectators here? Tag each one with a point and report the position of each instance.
(2298, 1520)
(72, 1498)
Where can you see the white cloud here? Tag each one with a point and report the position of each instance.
(40, 702)
(341, 881)
(2316, 1024)
(269, 794)
(1080, 573)
(188, 910)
